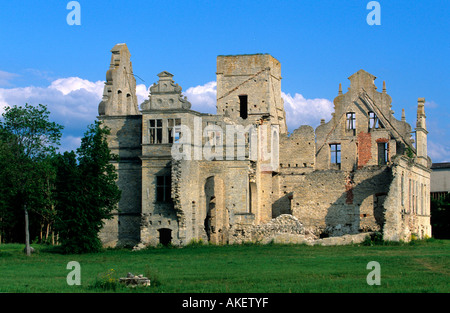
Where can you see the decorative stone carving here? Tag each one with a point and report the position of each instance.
(165, 95)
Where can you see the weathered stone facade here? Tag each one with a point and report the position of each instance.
(240, 176)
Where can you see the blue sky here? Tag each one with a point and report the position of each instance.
(319, 45)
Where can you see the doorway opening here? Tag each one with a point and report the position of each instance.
(165, 236)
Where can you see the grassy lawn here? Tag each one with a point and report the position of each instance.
(419, 267)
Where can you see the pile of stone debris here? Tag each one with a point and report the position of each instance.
(134, 281)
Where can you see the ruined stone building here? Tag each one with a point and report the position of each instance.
(239, 175)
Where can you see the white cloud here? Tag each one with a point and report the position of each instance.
(438, 152)
(203, 97)
(72, 102)
(69, 143)
(3, 104)
(142, 93)
(66, 106)
(69, 84)
(5, 77)
(302, 111)
(299, 111)
(431, 104)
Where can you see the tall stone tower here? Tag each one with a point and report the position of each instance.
(249, 93)
(249, 89)
(118, 111)
(119, 95)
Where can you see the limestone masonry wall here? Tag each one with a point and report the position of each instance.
(359, 172)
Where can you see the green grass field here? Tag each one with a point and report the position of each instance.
(419, 267)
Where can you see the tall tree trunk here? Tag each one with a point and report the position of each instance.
(47, 232)
(27, 232)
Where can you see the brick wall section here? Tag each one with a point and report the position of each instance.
(364, 148)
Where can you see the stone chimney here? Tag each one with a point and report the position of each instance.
(421, 133)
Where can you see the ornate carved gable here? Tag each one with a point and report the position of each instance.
(166, 95)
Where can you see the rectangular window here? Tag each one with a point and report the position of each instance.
(155, 128)
(373, 121)
(410, 197)
(335, 150)
(382, 153)
(421, 199)
(243, 106)
(351, 121)
(417, 198)
(174, 129)
(403, 190)
(163, 188)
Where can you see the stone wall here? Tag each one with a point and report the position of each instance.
(297, 151)
(283, 224)
(124, 140)
(257, 76)
(408, 201)
(301, 196)
(334, 203)
(287, 229)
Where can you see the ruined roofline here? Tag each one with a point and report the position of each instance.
(247, 55)
(362, 71)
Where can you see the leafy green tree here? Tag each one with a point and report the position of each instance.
(45, 186)
(87, 192)
(27, 138)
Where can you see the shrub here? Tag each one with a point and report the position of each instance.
(107, 281)
(153, 276)
(375, 239)
(196, 243)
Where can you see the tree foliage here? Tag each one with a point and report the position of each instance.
(86, 192)
(29, 132)
(440, 217)
(73, 193)
(28, 139)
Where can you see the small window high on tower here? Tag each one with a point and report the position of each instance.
(243, 106)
